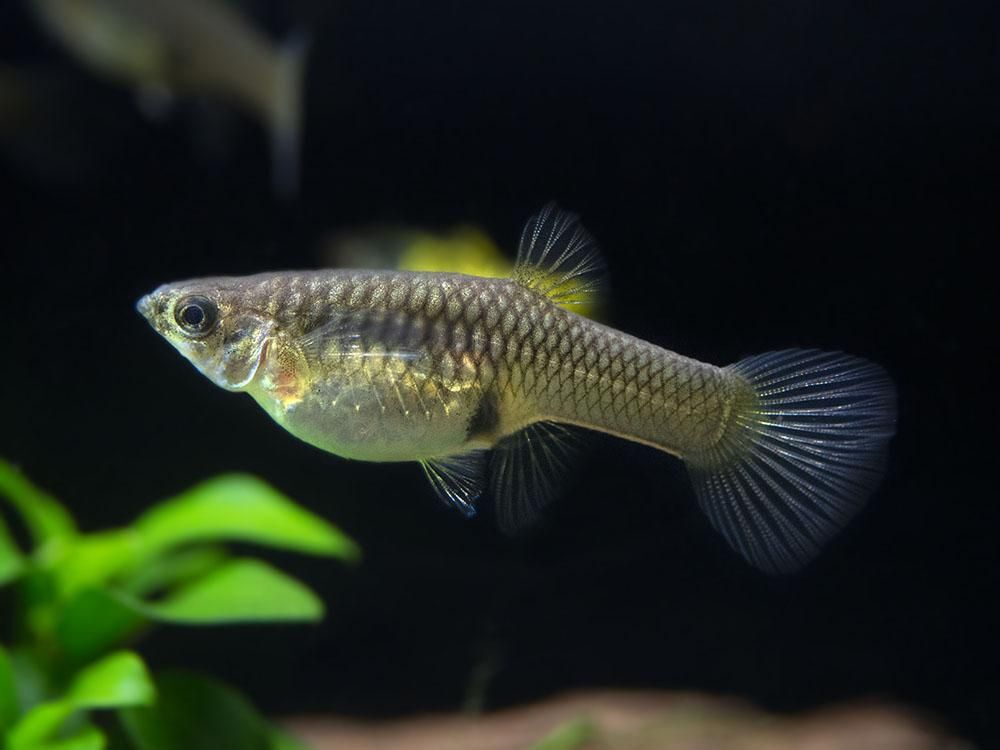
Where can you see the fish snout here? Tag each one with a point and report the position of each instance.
(151, 306)
(146, 307)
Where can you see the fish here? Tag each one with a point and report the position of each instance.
(480, 380)
(200, 47)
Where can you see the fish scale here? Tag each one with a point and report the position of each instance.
(543, 362)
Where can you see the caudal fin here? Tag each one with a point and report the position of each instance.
(285, 116)
(803, 449)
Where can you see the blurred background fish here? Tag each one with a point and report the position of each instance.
(205, 47)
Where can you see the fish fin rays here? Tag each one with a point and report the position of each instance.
(528, 470)
(800, 457)
(364, 335)
(558, 258)
(525, 471)
(458, 480)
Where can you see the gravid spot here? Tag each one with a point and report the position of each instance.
(486, 419)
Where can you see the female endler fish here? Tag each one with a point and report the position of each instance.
(475, 378)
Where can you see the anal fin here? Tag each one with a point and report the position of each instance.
(528, 470)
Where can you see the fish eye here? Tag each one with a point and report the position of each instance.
(196, 315)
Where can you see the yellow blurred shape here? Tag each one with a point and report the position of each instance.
(466, 250)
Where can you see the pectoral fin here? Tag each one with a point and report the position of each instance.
(364, 335)
(458, 480)
(526, 471)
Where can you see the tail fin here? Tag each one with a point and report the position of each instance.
(285, 117)
(804, 447)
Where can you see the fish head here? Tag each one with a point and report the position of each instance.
(208, 323)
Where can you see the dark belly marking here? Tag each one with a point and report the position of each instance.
(485, 421)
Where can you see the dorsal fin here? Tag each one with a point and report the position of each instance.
(557, 257)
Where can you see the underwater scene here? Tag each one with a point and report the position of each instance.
(498, 375)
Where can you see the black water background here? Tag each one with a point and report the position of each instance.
(760, 176)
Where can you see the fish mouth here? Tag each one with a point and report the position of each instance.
(149, 306)
(145, 306)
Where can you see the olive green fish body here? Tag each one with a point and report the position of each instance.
(381, 366)
(440, 367)
(395, 366)
(574, 370)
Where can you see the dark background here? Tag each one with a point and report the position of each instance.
(759, 174)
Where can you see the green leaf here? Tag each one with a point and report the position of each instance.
(11, 559)
(9, 703)
(36, 734)
(194, 713)
(94, 621)
(45, 518)
(96, 558)
(38, 725)
(36, 602)
(172, 569)
(117, 680)
(239, 591)
(29, 677)
(88, 738)
(242, 508)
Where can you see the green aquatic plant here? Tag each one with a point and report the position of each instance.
(574, 734)
(72, 600)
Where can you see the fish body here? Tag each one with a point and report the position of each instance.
(194, 47)
(440, 368)
(406, 366)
